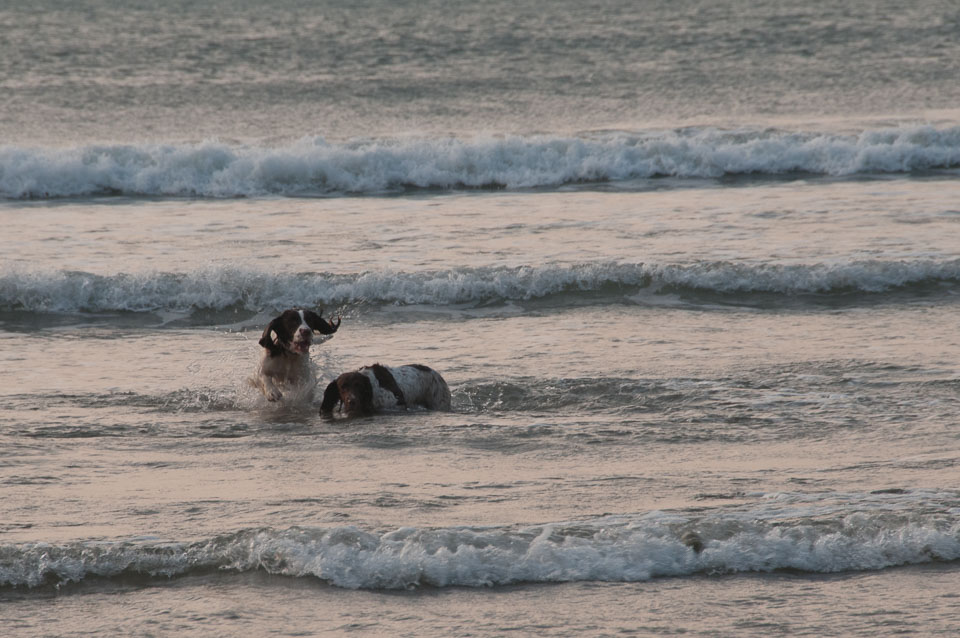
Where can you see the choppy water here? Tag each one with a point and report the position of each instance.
(691, 271)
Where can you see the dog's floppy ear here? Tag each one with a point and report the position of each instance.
(318, 324)
(267, 339)
(331, 397)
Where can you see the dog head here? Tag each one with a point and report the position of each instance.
(354, 390)
(293, 331)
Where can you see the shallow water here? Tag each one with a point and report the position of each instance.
(702, 343)
(791, 414)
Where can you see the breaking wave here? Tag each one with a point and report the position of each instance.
(219, 288)
(224, 287)
(812, 534)
(312, 166)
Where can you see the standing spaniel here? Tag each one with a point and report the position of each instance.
(286, 356)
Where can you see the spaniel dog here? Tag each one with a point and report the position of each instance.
(374, 388)
(286, 356)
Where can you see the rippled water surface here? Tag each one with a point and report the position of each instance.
(691, 273)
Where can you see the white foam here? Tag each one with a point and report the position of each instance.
(822, 534)
(313, 166)
(220, 287)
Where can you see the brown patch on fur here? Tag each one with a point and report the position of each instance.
(354, 390)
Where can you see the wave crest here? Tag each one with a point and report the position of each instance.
(875, 532)
(312, 166)
(220, 288)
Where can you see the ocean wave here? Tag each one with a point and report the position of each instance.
(226, 287)
(312, 166)
(821, 534)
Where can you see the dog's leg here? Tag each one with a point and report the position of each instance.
(269, 388)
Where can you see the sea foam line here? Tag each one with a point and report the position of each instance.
(221, 287)
(314, 166)
(812, 538)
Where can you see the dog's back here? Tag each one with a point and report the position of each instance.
(422, 386)
(377, 387)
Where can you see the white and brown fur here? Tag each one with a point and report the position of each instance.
(286, 345)
(376, 388)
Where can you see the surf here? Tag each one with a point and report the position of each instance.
(312, 166)
(218, 293)
(825, 533)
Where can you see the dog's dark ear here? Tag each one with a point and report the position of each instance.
(318, 324)
(331, 397)
(364, 394)
(267, 339)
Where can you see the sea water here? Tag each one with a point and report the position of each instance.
(692, 272)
